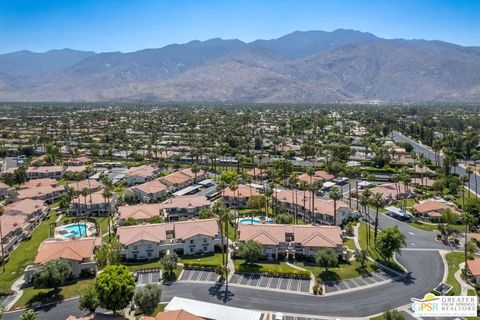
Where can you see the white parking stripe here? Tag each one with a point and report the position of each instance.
(289, 284)
(299, 285)
(345, 283)
(269, 282)
(279, 282)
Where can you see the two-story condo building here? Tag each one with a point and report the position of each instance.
(238, 198)
(185, 207)
(150, 241)
(19, 219)
(284, 240)
(149, 191)
(300, 203)
(141, 174)
(53, 172)
(93, 204)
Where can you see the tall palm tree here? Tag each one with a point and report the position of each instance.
(335, 194)
(311, 173)
(364, 202)
(195, 171)
(377, 202)
(469, 172)
(468, 219)
(292, 182)
(107, 194)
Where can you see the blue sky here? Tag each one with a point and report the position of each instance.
(129, 25)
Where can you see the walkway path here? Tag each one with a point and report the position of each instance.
(458, 276)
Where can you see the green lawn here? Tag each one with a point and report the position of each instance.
(362, 239)
(453, 260)
(24, 254)
(350, 243)
(232, 232)
(132, 267)
(205, 259)
(410, 203)
(344, 270)
(270, 267)
(119, 189)
(422, 226)
(31, 295)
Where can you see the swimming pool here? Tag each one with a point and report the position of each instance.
(255, 221)
(74, 230)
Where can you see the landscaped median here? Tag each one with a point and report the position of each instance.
(372, 251)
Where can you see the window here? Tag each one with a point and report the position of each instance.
(149, 254)
(192, 241)
(205, 248)
(135, 247)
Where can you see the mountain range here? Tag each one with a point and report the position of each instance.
(304, 66)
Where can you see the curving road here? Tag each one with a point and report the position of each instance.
(424, 263)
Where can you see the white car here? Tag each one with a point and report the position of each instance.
(279, 316)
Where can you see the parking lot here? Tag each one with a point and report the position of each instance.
(151, 276)
(259, 281)
(198, 275)
(376, 276)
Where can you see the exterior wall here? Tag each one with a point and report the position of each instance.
(237, 203)
(131, 180)
(147, 197)
(175, 214)
(97, 209)
(147, 250)
(198, 244)
(40, 175)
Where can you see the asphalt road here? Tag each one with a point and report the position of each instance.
(473, 184)
(426, 273)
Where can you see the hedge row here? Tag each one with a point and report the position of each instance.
(284, 274)
(197, 264)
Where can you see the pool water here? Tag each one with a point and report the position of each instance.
(74, 230)
(254, 221)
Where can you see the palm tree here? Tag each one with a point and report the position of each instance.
(335, 194)
(195, 171)
(364, 202)
(469, 172)
(468, 219)
(377, 202)
(107, 194)
(219, 211)
(292, 182)
(311, 173)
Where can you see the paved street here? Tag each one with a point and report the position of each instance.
(431, 155)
